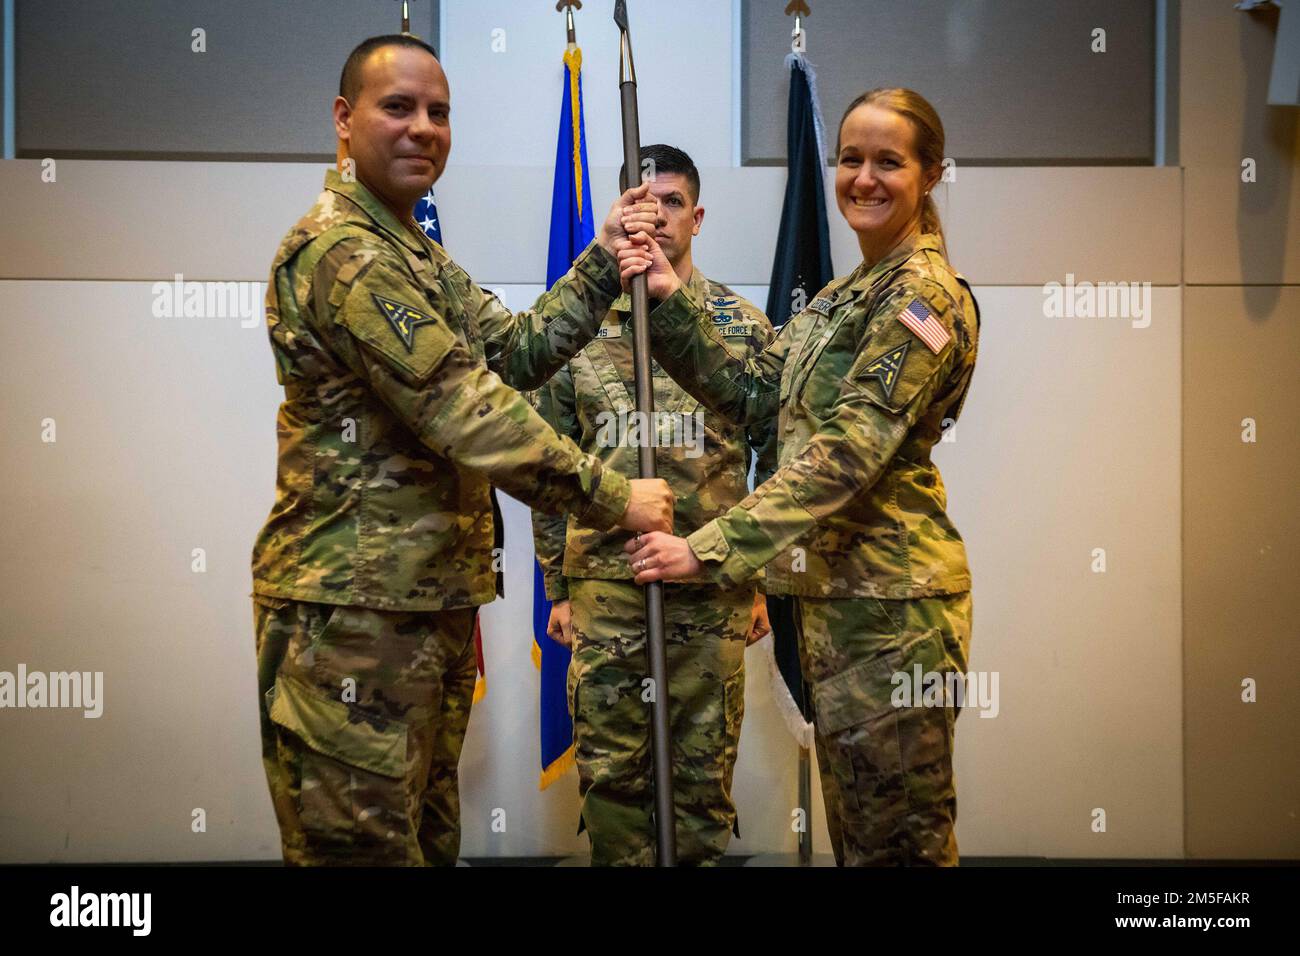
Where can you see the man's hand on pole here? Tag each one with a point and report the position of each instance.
(650, 508)
(640, 253)
(635, 212)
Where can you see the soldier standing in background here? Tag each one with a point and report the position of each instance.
(600, 613)
(378, 551)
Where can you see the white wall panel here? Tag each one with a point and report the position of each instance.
(121, 220)
(165, 443)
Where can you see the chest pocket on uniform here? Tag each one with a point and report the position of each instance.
(447, 287)
(822, 370)
(794, 332)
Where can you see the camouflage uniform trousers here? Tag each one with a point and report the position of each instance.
(705, 630)
(886, 771)
(363, 772)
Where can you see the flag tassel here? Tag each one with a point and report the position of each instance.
(800, 729)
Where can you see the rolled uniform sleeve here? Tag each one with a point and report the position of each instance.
(526, 348)
(380, 323)
(557, 405)
(743, 389)
(868, 421)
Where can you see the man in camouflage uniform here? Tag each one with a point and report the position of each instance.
(853, 524)
(600, 612)
(369, 570)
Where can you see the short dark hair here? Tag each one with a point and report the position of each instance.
(670, 159)
(350, 78)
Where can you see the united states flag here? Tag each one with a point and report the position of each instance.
(426, 215)
(927, 328)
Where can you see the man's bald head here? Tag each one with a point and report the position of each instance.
(351, 78)
(393, 119)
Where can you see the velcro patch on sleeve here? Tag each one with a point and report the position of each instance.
(403, 319)
(894, 369)
(387, 310)
(886, 369)
(925, 325)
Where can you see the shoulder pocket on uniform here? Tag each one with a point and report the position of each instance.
(906, 346)
(387, 311)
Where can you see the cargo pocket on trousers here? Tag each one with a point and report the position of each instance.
(889, 753)
(353, 769)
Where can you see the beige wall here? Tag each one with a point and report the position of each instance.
(165, 443)
(1241, 514)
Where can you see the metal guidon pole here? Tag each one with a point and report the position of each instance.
(656, 653)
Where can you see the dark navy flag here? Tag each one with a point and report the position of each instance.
(801, 268)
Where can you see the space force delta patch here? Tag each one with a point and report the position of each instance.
(403, 319)
(886, 368)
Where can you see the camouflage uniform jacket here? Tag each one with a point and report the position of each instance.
(395, 420)
(866, 379)
(592, 397)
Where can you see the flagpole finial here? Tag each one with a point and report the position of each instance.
(626, 68)
(800, 10)
(406, 18)
(567, 6)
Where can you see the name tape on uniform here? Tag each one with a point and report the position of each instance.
(727, 317)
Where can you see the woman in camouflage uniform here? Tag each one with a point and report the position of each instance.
(864, 382)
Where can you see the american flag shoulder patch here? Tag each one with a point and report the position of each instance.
(928, 329)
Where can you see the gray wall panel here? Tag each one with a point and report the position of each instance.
(1014, 81)
(118, 78)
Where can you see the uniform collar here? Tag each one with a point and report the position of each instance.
(374, 210)
(698, 287)
(865, 276)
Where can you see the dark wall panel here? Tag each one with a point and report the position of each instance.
(1015, 81)
(118, 78)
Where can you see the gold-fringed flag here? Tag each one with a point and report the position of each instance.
(572, 230)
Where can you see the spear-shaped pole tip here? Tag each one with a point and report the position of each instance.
(626, 69)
